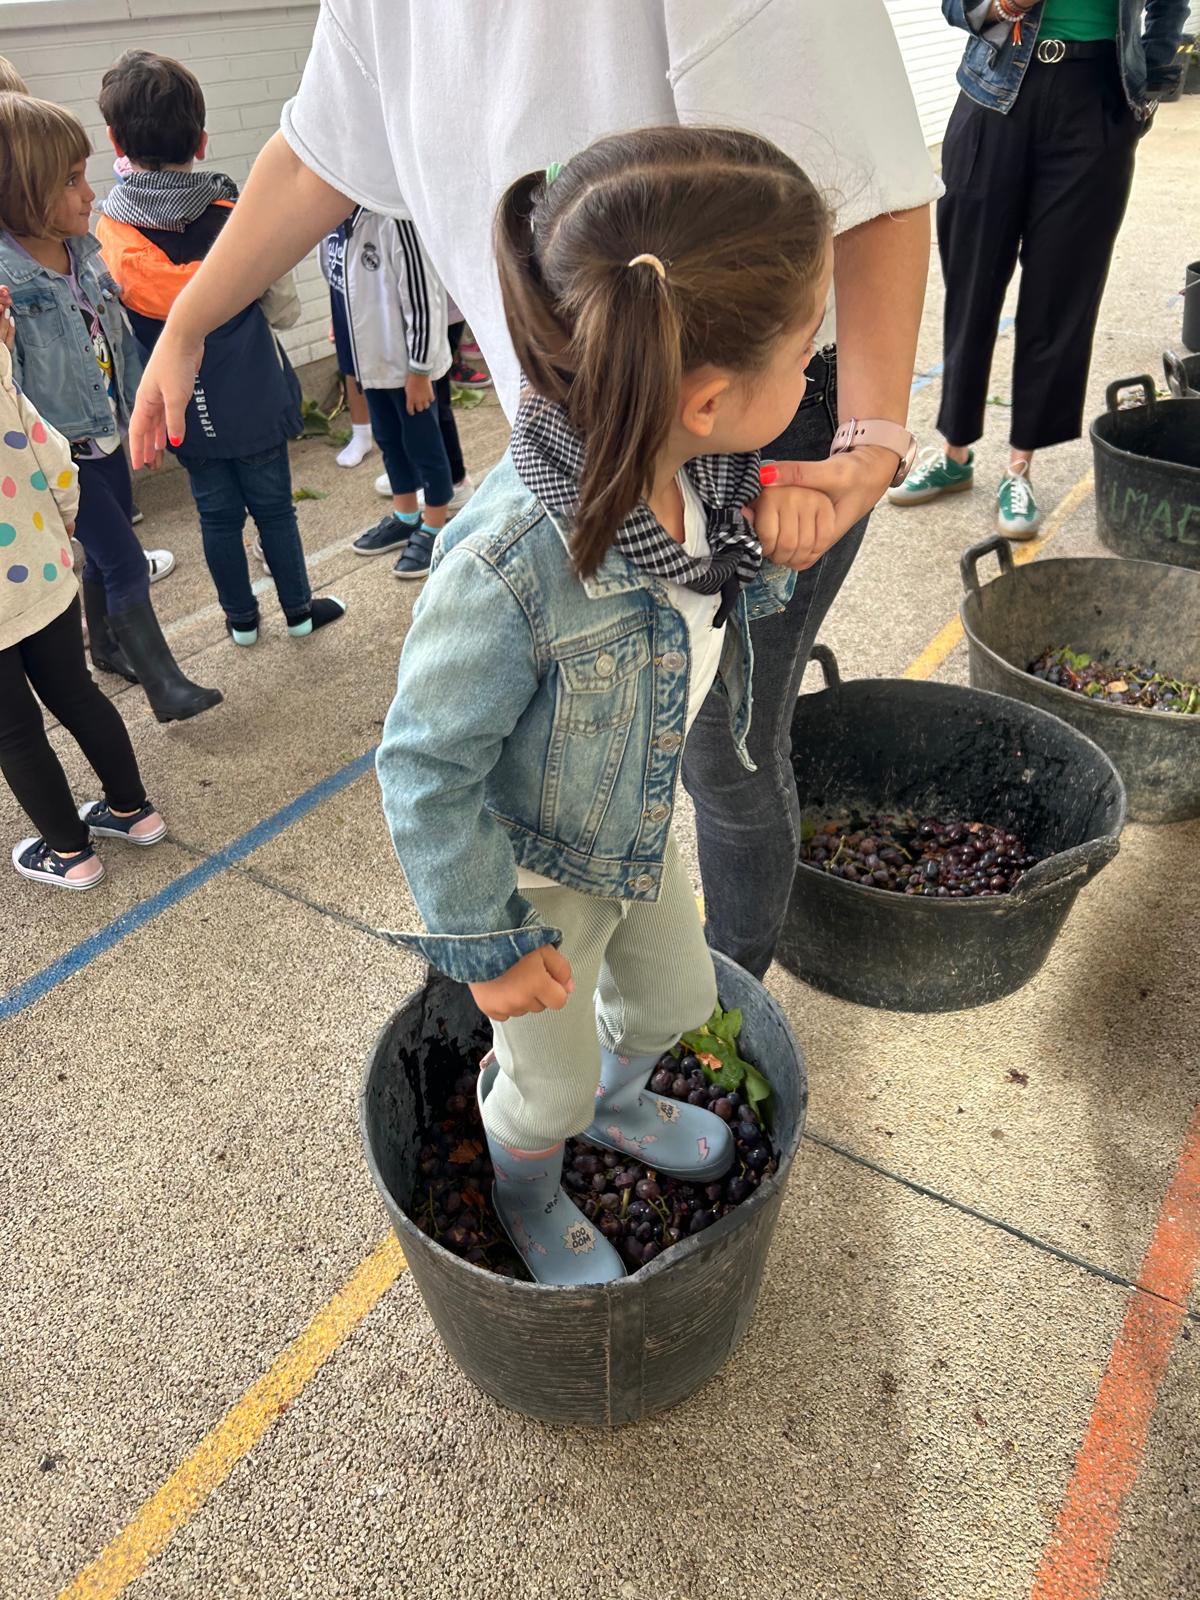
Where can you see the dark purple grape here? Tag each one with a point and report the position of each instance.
(680, 1088)
(631, 1249)
(714, 1191)
(638, 1210)
(749, 1135)
(747, 1113)
(737, 1190)
(689, 1063)
(644, 1232)
(650, 1250)
(587, 1163)
(600, 1182)
(698, 1097)
(575, 1182)
(757, 1158)
(611, 1227)
(625, 1179)
(647, 1189)
(661, 1081)
(722, 1108)
(702, 1219)
(610, 1201)
(451, 1202)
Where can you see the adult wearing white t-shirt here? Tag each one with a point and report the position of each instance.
(825, 82)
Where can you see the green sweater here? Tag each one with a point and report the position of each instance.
(1079, 19)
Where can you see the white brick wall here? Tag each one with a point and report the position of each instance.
(247, 54)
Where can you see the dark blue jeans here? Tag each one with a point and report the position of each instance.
(224, 491)
(748, 823)
(414, 451)
(104, 529)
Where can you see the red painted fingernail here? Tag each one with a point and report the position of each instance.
(175, 441)
(767, 474)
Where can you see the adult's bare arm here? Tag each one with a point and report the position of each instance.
(283, 212)
(879, 277)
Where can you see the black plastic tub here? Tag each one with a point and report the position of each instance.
(1132, 611)
(1182, 374)
(1148, 476)
(892, 744)
(602, 1355)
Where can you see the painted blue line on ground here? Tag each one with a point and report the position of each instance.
(104, 939)
(924, 379)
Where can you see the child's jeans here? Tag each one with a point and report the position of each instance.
(104, 528)
(414, 451)
(643, 976)
(50, 663)
(224, 491)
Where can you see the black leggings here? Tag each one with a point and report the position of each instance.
(51, 662)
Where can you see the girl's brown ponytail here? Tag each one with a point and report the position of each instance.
(537, 335)
(627, 364)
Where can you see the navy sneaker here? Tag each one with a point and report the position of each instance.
(389, 536)
(414, 563)
(100, 819)
(33, 858)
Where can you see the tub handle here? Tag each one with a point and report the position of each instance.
(827, 661)
(1112, 395)
(971, 558)
(1080, 862)
(1177, 377)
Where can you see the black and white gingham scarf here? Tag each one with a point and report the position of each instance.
(168, 200)
(549, 457)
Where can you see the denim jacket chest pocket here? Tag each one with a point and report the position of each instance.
(39, 316)
(598, 693)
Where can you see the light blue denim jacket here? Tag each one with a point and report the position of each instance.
(993, 67)
(539, 720)
(53, 360)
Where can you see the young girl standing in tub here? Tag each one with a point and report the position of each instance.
(663, 291)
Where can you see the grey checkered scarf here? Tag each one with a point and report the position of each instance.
(168, 200)
(549, 456)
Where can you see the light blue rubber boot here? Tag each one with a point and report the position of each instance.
(681, 1140)
(551, 1235)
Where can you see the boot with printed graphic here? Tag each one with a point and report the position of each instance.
(681, 1140)
(551, 1235)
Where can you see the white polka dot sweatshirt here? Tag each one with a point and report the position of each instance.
(39, 496)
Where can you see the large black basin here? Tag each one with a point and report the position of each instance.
(893, 744)
(1148, 476)
(1131, 611)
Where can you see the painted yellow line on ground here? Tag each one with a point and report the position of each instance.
(944, 641)
(214, 1458)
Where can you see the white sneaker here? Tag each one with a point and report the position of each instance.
(462, 491)
(355, 451)
(161, 564)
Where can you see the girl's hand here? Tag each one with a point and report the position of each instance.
(855, 481)
(794, 526)
(418, 391)
(162, 397)
(540, 981)
(8, 327)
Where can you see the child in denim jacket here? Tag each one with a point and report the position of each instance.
(663, 292)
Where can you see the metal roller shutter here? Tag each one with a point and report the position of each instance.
(931, 49)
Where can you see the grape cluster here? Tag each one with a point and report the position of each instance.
(642, 1211)
(1116, 685)
(945, 858)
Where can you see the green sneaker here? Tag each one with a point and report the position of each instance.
(1017, 513)
(933, 475)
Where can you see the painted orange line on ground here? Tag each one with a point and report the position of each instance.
(214, 1458)
(1075, 1564)
(945, 640)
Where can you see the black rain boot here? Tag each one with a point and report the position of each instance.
(172, 697)
(105, 651)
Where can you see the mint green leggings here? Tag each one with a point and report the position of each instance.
(643, 976)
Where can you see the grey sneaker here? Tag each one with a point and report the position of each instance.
(1017, 513)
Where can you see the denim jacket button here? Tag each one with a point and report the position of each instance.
(658, 813)
(669, 742)
(605, 666)
(642, 883)
(673, 660)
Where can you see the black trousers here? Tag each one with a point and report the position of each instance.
(51, 662)
(1047, 182)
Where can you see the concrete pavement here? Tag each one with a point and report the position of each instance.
(919, 1411)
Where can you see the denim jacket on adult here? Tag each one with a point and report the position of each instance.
(539, 721)
(53, 360)
(993, 66)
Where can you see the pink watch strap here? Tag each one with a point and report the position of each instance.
(875, 430)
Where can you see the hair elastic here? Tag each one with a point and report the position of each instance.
(552, 172)
(648, 260)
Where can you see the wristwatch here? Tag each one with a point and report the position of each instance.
(888, 435)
